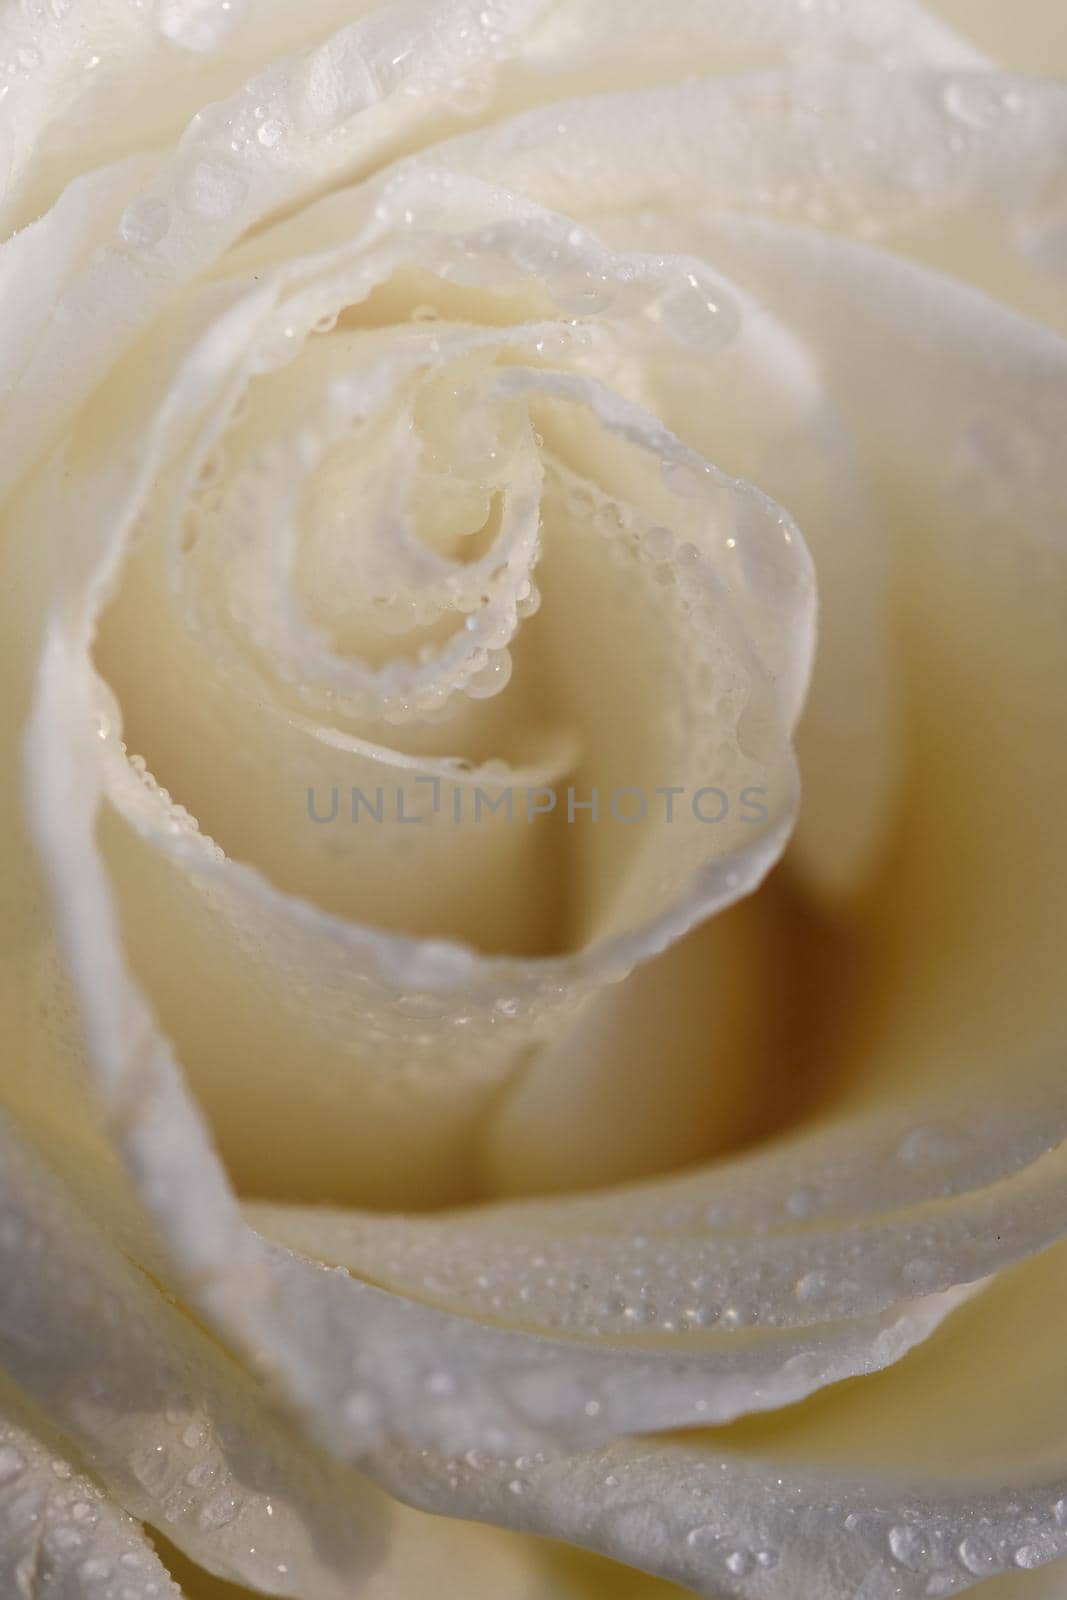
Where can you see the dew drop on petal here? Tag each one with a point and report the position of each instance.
(978, 101)
(698, 315)
(145, 222)
(683, 480)
(151, 1467)
(270, 132)
(12, 1463)
(492, 678)
(979, 1555)
(908, 1545)
(197, 25)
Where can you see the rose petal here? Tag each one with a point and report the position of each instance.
(895, 1486)
(178, 1161)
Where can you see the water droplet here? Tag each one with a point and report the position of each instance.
(214, 190)
(493, 677)
(12, 1463)
(337, 83)
(740, 1562)
(529, 603)
(909, 1545)
(1028, 1556)
(978, 100)
(689, 482)
(145, 222)
(703, 1538)
(268, 133)
(658, 544)
(701, 316)
(151, 1467)
(766, 1559)
(979, 1555)
(197, 25)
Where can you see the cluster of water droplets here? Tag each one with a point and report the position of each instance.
(55, 1521)
(946, 1553)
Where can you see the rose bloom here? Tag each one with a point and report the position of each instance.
(534, 855)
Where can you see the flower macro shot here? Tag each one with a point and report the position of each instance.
(533, 853)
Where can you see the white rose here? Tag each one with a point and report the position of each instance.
(336, 337)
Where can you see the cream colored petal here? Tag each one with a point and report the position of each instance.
(921, 1481)
(962, 170)
(653, 1074)
(295, 1311)
(71, 61)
